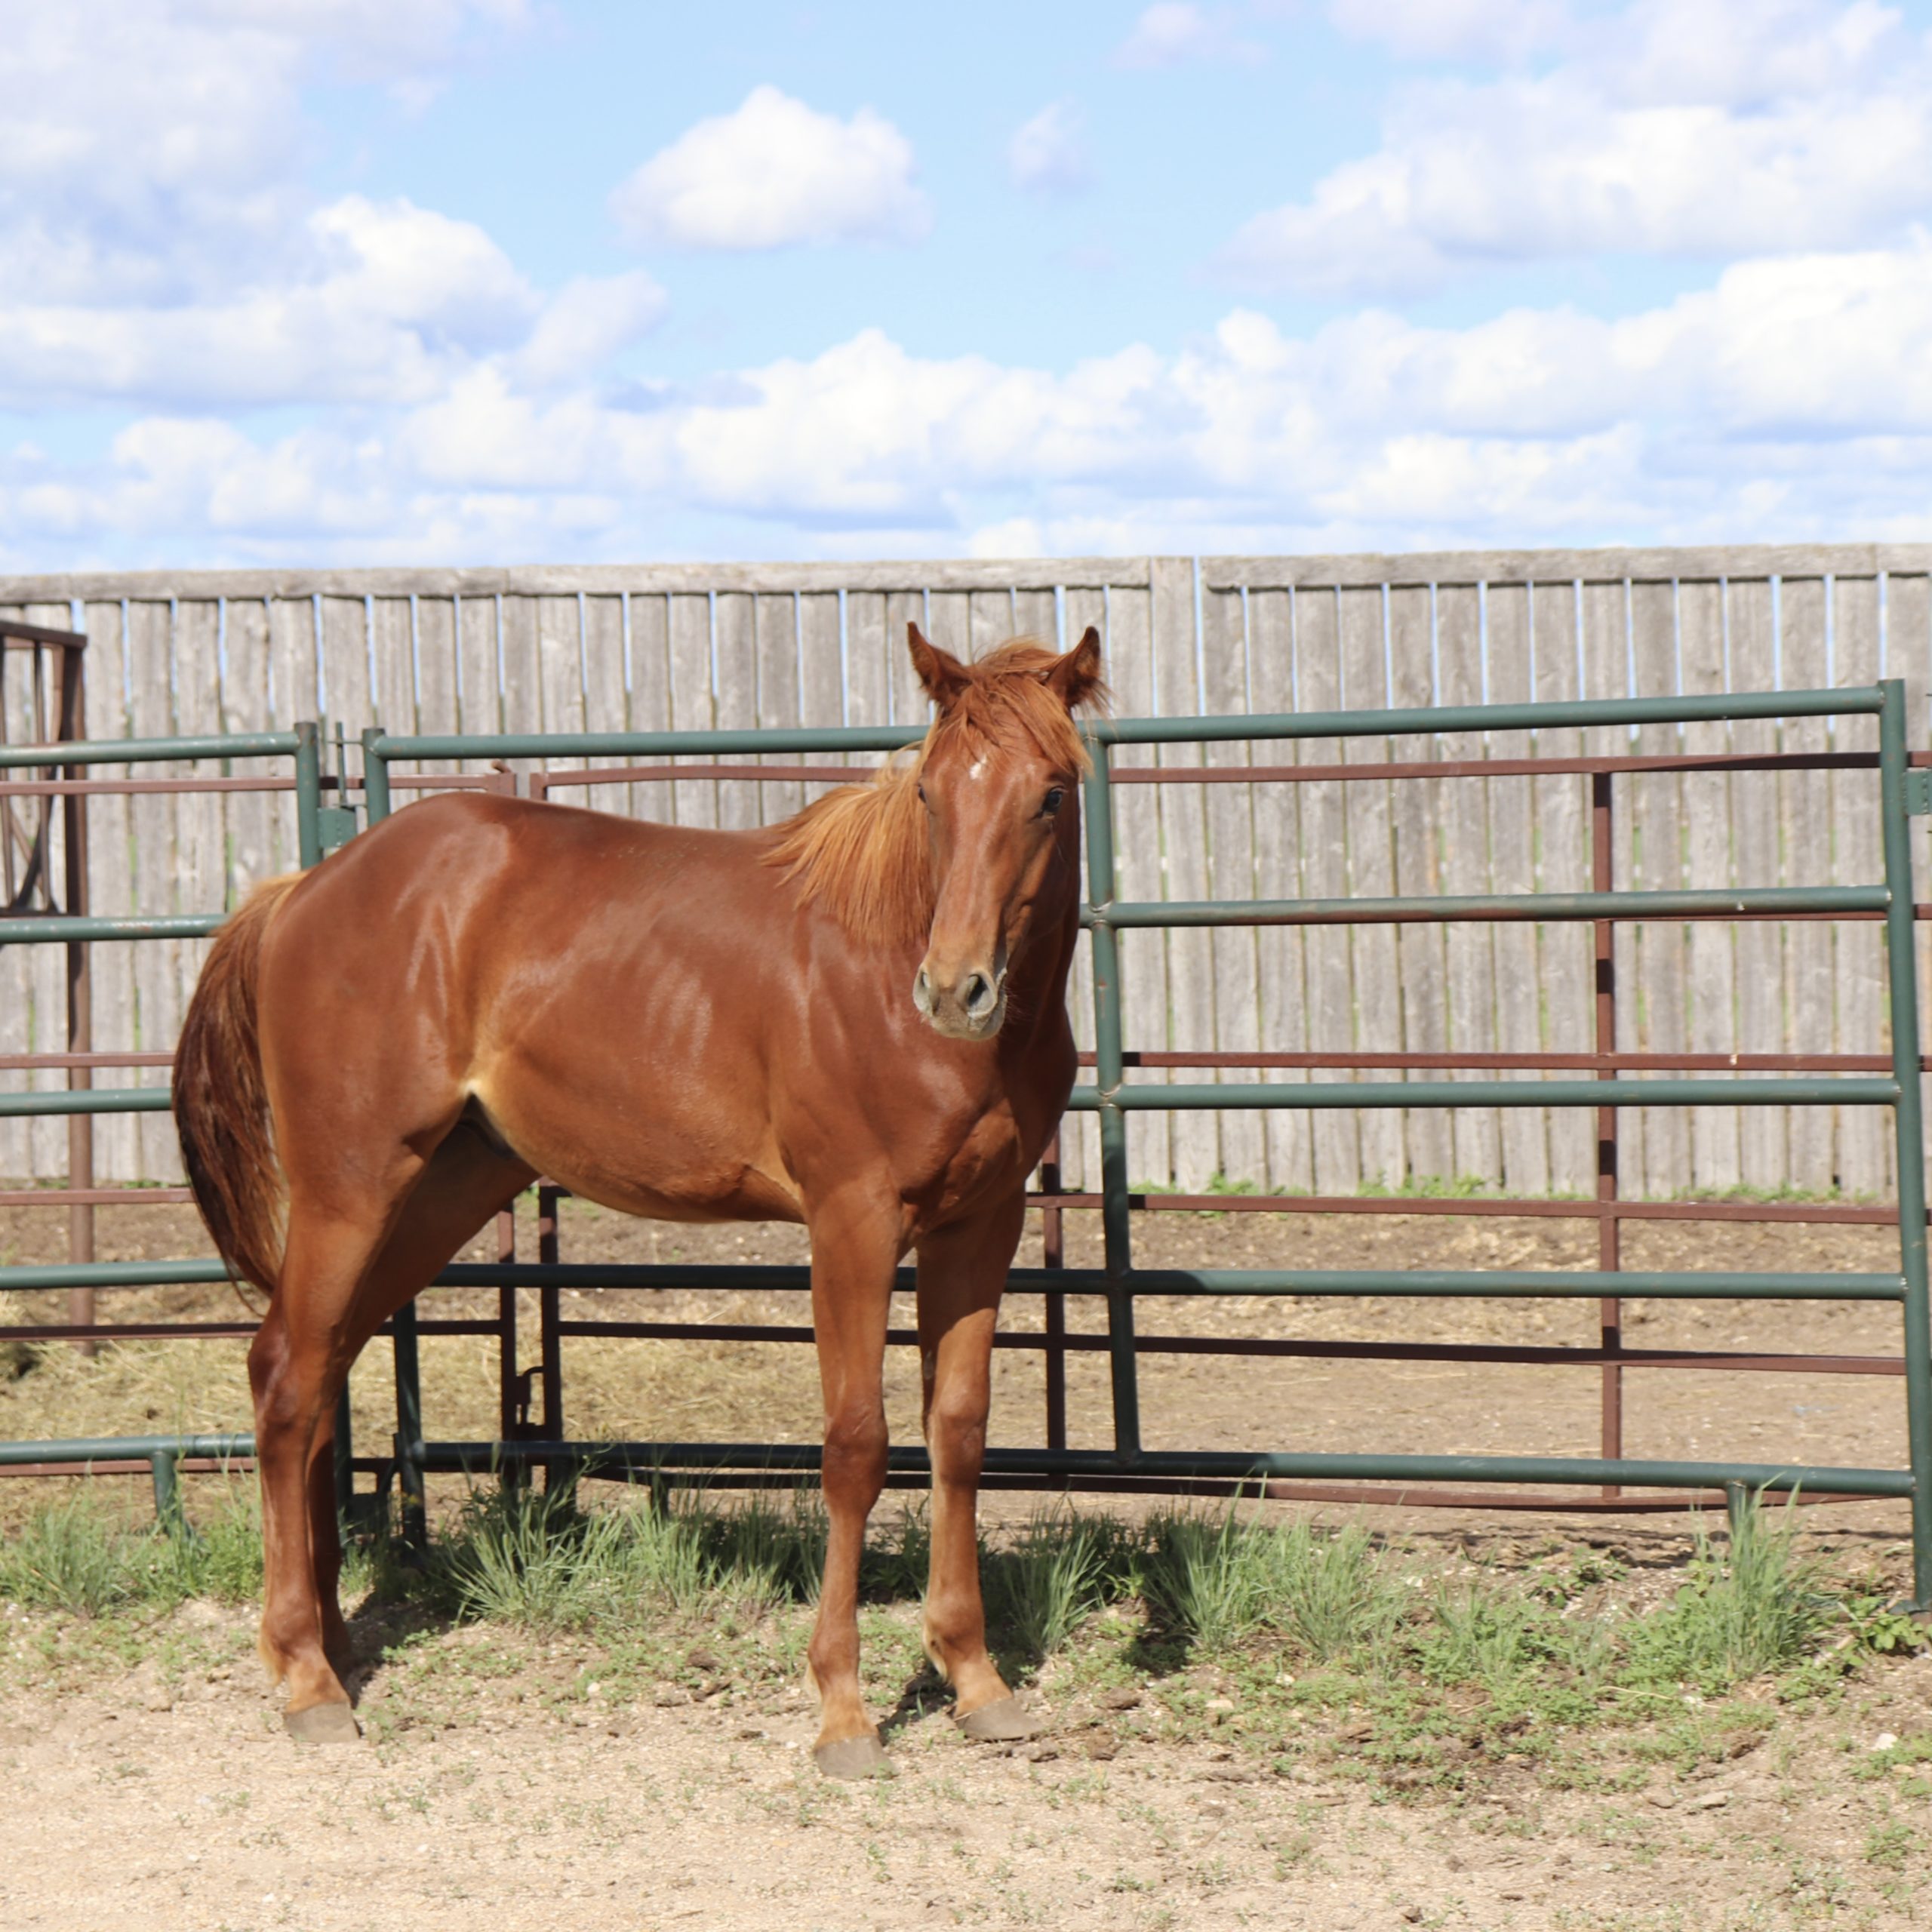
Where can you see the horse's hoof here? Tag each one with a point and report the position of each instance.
(1004, 1721)
(322, 1723)
(853, 1757)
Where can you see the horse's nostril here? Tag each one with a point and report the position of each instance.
(922, 991)
(978, 993)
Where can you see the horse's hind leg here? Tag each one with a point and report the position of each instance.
(340, 1283)
(296, 1366)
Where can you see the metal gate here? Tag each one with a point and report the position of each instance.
(1887, 1079)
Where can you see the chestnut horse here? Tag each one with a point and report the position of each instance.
(856, 1021)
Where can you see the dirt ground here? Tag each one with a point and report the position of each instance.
(498, 1785)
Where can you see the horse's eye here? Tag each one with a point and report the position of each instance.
(1052, 802)
(922, 794)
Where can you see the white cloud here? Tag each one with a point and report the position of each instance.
(773, 174)
(1173, 31)
(1790, 398)
(1713, 132)
(1048, 155)
(1456, 29)
(151, 149)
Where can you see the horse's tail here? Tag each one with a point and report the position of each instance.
(221, 1102)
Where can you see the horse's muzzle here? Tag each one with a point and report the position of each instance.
(973, 1007)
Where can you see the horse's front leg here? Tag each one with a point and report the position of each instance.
(855, 1252)
(962, 1274)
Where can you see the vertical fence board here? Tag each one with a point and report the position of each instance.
(1230, 874)
(1143, 957)
(1462, 806)
(439, 706)
(44, 968)
(605, 704)
(1754, 841)
(910, 704)
(1657, 859)
(868, 676)
(1804, 806)
(1564, 951)
(1418, 870)
(1036, 614)
(1277, 848)
(1373, 952)
(949, 621)
(1864, 1163)
(1184, 857)
(202, 819)
(295, 658)
(110, 885)
(776, 621)
(346, 692)
(1524, 1131)
(478, 640)
(821, 677)
(1716, 1157)
(1606, 653)
(157, 983)
(1079, 1133)
(559, 665)
(18, 1139)
(393, 650)
(694, 705)
(734, 657)
(1324, 862)
(990, 620)
(650, 698)
(518, 640)
(246, 705)
(1907, 649)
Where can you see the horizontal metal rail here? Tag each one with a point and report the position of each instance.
(1235, 1465)
(66, 928)
(1856, 1091)
(1766, 903)
(152, 750)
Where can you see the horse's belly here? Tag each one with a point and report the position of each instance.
(657, 1163)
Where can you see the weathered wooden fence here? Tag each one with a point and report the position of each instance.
(652, 646)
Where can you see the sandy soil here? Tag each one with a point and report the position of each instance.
(142, 1805)
(136, 1801)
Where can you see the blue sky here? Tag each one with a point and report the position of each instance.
(468, 281)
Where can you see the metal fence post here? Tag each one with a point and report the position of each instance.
(309, 793)
(1108, 1072)
(1909, 1121)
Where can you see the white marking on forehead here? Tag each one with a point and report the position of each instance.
(976, 769)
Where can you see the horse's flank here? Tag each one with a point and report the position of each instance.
(862, 851)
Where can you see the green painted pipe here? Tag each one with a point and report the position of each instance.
(86, 1100)
(1852, 700)
(1823, 1090)
(150, 751)
(60, 930)
(1237, 1464)
(1533, 906)
(80, 1450)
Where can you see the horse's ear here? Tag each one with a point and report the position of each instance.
(1075, 679)
(943, 675)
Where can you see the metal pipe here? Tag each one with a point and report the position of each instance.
(1901, 962)
(151, 751)
(1116, 1223)
(1855, 1091)
(1237, 1464)
(309, 793)
(59, 929)
(1761, 902)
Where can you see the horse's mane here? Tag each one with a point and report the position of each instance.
(861, 851)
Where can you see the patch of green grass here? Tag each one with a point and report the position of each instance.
(1058, 1570)
(1755, 1607)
